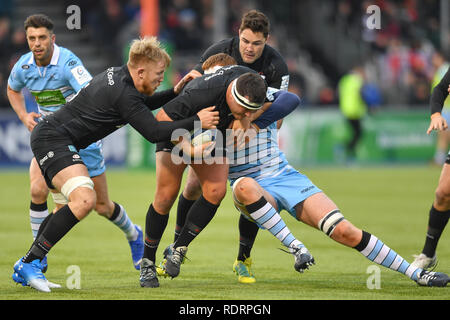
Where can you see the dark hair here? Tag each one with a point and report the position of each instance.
(253, 86)
(38, 21)
(255, 21)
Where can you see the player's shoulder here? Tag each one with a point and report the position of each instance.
(68, 58)
(24, 62)
(224, 45)
(275, 57)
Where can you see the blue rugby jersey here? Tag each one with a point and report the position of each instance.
(52, 85)
(261, 158)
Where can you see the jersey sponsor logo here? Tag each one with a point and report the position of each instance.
(49, 97)
(109, 75)
(25, 67)
(307, 189)
(284, 83)
(72, 63)
(220, 72)
(50, 154)
(81, 75)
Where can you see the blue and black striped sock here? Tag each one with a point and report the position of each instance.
(375, 250)
(265, 215)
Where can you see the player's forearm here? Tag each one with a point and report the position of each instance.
(439, 94)
(159, 99)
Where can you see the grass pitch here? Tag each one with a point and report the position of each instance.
(391, 203)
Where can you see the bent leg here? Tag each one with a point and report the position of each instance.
(320, 212)
(75, 184)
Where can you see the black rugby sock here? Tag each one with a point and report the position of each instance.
(155, 224)
(200, 214)
(56, 228)
(184, 205)
(436, 224)
(247, 235)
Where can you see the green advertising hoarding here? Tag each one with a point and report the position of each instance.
(318, 137)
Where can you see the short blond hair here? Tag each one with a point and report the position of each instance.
(147, 49)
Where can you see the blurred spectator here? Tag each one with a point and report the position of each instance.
(353, 106)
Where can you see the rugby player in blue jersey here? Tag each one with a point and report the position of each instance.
(54, 75)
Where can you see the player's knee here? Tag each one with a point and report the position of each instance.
(215, 194)
(39, 192)
(164, 201)
(192, 189)
(244, 189)
(80, 192)
(330, 222)
(103, 208)
(347, 234)
(442, 196)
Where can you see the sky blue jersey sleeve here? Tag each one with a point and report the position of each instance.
(75, 73)
(16, 77)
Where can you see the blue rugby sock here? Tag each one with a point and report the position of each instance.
(38, 213)
(376, 251)
(265, 215)
(121, 219)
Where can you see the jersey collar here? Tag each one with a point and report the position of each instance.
(55, 56)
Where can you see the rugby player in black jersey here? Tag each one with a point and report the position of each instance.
(236, 91)
(249, 49)
(118, 96)
(440, 210)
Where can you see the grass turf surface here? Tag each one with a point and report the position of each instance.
(391, 203)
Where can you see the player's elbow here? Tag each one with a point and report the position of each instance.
(292, 99)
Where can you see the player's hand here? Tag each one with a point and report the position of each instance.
(209, 117)
(448, 89)
(241, 135)
(29, 120)
(196, 152)
(437, 123)
(180, 85)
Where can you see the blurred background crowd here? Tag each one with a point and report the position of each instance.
(320, 40)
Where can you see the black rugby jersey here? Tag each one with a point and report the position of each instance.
(271, 64)
(206, 91)
(111, 101)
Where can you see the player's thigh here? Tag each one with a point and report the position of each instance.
(168, 173)
(314, 208)
(213, 179)
(73, 171)
(247, 191)
(38, 185)
(101, 188)
(168, 181)
(442, 201)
